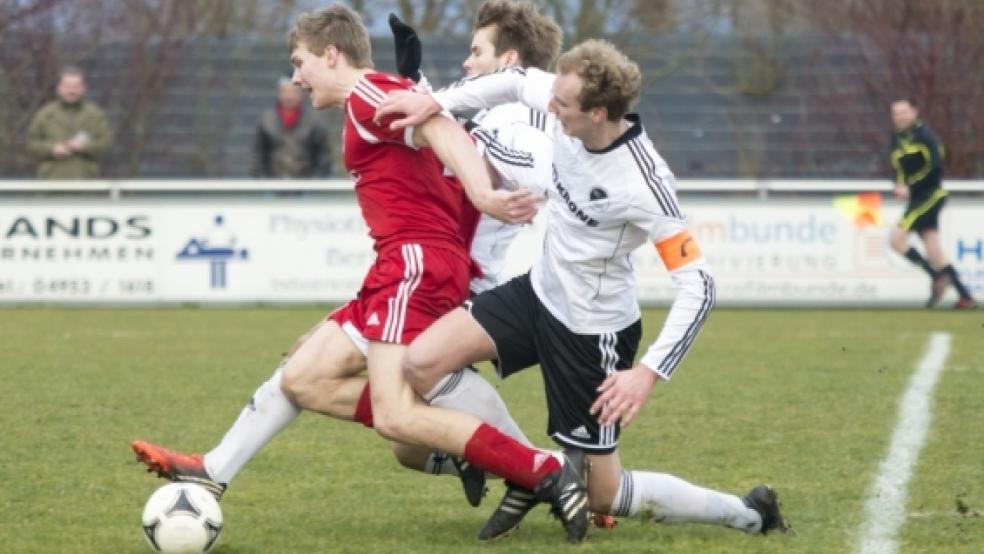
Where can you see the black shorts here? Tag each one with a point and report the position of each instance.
(573, 365)
(923, 215)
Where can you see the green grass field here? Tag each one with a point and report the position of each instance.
(805, 400)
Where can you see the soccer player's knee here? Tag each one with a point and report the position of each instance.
(391, 422)
(298, 385)
(418, 365)
(389, 426)
(291, 383)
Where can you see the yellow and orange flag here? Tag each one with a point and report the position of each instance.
(862, 209)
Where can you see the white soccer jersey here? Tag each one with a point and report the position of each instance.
(602, 205)
(511, 137)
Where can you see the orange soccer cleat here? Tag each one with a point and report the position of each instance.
(174, 466)
(604, 521)
(965, 303)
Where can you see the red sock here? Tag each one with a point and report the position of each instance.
(363, 409)
(491, 450)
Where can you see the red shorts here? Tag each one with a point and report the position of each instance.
(407, 288)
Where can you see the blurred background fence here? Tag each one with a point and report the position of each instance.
(734, 88)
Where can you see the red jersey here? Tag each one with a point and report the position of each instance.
(402, 190)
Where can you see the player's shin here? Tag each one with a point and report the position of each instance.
(267, 413)
(495, 452)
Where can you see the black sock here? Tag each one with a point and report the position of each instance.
(955, 279)
(916, 258)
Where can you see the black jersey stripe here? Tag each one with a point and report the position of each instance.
(538, 119)
(501, 152)
(710, 299)
(654, 177)
(655, 191)
(647, 166)
(649, 170)
(679, 350)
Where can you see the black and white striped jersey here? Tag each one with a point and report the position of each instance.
(521, 154)
(603, 205)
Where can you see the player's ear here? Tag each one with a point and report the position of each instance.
(331, 55)
(512, 57)
(599, 114)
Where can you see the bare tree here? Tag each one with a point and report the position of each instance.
(134, 45)
(931, 52)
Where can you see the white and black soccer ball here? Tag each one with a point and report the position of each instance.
(182, 518)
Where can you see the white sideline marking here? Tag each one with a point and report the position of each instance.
(886, 501)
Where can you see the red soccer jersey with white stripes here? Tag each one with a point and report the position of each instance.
(402, 190)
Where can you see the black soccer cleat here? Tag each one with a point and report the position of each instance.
(763, 499)
(567, 494)
(472, 480)
(514, 506)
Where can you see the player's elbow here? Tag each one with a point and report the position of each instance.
(698, 283)
(711, 291)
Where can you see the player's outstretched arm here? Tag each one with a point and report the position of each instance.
(514, 84)
(623, 394)
(454, 148)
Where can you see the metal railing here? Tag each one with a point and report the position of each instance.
(118, 188)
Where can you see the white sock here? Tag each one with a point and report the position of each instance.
(267, 414)
(670, 499)
(439, 464)
(467, 391)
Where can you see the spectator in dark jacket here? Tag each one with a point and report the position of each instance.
(290, 141)
(69, 135)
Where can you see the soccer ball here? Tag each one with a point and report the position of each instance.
(182, 518)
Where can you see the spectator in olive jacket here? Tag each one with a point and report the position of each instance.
(69, 135)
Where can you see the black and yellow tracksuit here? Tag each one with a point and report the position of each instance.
(917, 157)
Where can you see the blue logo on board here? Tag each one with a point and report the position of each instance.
(218, 248)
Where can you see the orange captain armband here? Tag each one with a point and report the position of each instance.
(679, 250)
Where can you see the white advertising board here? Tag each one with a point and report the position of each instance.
(809, 252)
(274, 250)
(174, 252)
